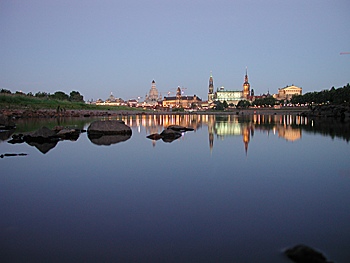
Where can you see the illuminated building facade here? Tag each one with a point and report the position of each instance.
(152, 98)
(180, 101)
(230, 96)
(288, 92)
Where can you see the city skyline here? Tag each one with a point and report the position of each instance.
(98, 47)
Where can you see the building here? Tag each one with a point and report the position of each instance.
(288, 92)
(111, 100)
(230, 96)
(211, 89)
(180, 101)
(153, 97)
(246, 85)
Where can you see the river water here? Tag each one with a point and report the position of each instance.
(236, 189)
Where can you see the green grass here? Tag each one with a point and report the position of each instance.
(12, 101)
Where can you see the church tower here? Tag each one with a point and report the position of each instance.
(211, 89)
(246, 85)
(178, 98)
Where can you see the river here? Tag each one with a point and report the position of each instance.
(235, 189)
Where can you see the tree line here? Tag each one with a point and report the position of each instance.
(331, 96)
(74, 96)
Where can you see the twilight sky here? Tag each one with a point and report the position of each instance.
(99, 47)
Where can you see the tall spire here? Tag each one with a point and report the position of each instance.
(246, 75)
(211, 88)
(246, 85)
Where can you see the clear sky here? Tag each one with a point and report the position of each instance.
(98, 47)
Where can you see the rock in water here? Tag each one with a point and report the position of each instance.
(109, 127)
(6, 123)
(43, 133)
(305, 254)
(179, 128)
(154, 136)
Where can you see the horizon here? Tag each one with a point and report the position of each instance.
(99, 47)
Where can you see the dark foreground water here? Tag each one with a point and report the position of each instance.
(236, 189)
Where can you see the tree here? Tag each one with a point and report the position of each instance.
(332, 96)
(243, 104)
(42, 94)
(268, 101)
(220, 105)
(5, 91)
(60, 95)
(75, 96)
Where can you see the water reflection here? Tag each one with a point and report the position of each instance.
(288, 127)
(43, 147)
(107, 140)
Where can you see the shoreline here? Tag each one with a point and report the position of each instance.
(50, 113)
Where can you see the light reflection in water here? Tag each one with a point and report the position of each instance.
(287, 127)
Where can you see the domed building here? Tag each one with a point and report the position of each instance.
(153, 97)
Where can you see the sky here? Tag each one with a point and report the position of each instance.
(98, 47)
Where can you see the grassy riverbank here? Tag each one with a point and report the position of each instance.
(11, 102)
(26, 103)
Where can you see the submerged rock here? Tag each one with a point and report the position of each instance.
(170, 134)
(154, 136)
(12, 154)
(179, 128)
(305, 254)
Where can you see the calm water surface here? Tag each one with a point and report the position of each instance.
(236, 189)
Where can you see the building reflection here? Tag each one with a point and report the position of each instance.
(220, 127)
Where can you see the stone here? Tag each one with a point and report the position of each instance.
(6, 123)
(109, 127)
(70, 134)
(154, 136)
(179, 128)
(169, 135)
(305, 254)
(42, 133)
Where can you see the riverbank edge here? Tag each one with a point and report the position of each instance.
(49, 113)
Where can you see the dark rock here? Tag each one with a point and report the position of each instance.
(305, 254)
(109, 127)
(179, 128)
(154, 136)
(169, 135)
(12, 154)
(68, 134)
(5, 134)
(41, 134)
(17, 138)
(6, 123)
